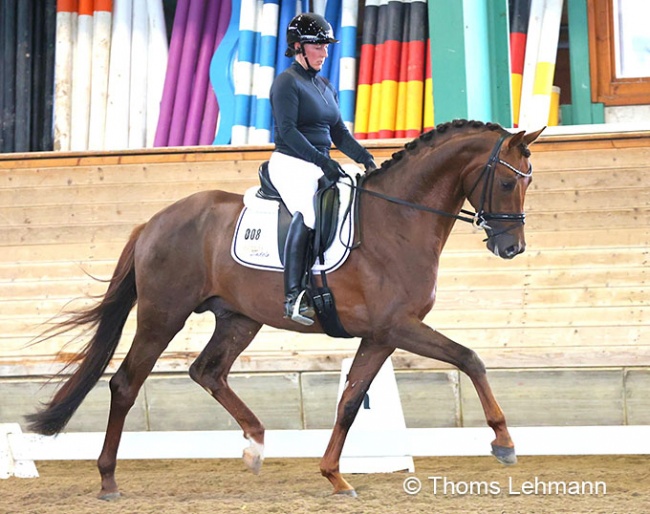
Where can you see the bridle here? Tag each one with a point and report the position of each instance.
(480, 218)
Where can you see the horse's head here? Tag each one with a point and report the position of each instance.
(497, 190)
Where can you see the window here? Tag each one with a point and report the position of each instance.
(619, 51)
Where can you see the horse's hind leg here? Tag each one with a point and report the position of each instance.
(367, 363)
(233, 333)
(150, 341)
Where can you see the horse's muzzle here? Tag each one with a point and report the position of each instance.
(506, 246)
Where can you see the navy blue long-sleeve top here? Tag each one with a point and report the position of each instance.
(307, 118)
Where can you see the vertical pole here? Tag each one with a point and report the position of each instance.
(8, 115)
(448, 60)
(581, 110)
(499, 61)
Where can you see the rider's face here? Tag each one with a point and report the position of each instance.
(316, 54)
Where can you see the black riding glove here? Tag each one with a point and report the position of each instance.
(332, 170)
(370, 165)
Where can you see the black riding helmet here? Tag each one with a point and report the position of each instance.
(310, 28)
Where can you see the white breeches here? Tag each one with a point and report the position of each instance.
(297, 182)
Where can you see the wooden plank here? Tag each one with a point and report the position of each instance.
(178, 403)
(22, 397)
(637, 401)
(451, 261)
(550, 397)
(107, 203)
(207, 173)
(251, 361)
(66, 234)
(557, 180)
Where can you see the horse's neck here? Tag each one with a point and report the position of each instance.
(425, 180)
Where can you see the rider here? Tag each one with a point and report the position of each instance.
(307, 121)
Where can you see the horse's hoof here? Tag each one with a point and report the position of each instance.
(504, 454)
(350, 493)
(109, 496)
(253, 459)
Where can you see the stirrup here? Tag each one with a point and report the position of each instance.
(301, 311)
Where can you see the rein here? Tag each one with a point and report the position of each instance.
(478, 219)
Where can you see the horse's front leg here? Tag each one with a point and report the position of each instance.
(367, 363)
(418, 338)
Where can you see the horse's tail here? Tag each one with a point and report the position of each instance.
(109, 317)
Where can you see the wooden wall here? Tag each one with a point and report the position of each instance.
(567, 321)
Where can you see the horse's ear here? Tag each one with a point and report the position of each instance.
(530, 138)
(516, 139)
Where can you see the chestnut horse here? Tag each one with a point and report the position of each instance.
(179, 262)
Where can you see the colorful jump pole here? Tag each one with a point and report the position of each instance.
(519, 15)
(189, 57)
(539, 68)
(23, 51)
(348, 61)
(116, 135)
(374, 119)
(243, 72)
(265, 72)
(157, 59)
(366, 64)
(428, 91)
(101, 50)
(171, 75)
(81, 77)
(222, 62)
(138, 75)
(201, 75)
(416, 67)
(390, 69)
(43, 75)
(66, 23)
(211, 111)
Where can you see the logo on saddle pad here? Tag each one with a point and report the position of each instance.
(261, 230)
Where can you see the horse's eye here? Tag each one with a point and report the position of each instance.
(508, 185)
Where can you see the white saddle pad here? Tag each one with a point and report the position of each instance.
(255, 244)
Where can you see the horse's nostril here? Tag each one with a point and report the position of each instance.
(514, 250)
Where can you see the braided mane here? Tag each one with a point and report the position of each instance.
(429, 139)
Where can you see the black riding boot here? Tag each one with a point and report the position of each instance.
(296, 262)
